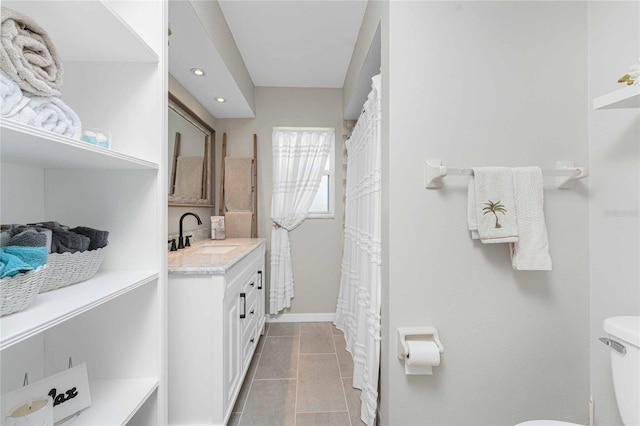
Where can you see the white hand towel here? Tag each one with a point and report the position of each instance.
(49, 113)
(491, 207)
(531, 252)
(12, 98)
(472, 216)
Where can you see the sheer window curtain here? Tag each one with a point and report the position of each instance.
(299, 157)
(358, 307)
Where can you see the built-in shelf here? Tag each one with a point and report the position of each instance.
(627, 97)
(54, 307)
(88, 31)
(115, 402)
(22, 144)
(114, 58)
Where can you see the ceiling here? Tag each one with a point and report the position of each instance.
(303, 43)
(190, 46)
(292, 43)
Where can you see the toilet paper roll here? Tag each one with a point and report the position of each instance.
(422, 356)
(38, 412)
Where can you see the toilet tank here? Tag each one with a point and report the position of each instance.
(625, 368)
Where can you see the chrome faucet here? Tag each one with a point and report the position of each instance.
(180, 237)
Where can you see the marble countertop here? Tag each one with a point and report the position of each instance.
(213, 257)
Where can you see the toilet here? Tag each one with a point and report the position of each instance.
(624, 343)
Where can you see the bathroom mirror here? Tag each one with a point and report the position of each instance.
(191, 157)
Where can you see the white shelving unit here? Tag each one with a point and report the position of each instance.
(114, 56)
(627, 97)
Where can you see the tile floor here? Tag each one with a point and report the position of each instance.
(299, 375)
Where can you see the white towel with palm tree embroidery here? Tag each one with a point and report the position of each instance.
(531, 252)
(491, 209)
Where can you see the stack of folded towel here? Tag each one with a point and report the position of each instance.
(506, 206)
(31, 76)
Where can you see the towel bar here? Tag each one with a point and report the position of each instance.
(566, 173)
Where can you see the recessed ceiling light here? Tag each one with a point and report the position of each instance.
(221, 100)
(197, 71)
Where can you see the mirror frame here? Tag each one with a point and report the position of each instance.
(210, 136)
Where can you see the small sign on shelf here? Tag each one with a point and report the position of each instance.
(68, 393)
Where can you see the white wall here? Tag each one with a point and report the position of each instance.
(190, 224)
(614, 151)
(365, 60)
(316, 244)
(476, 84)
(25, 186)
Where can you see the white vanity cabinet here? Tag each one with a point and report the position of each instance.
(115, 78)
(216, 316)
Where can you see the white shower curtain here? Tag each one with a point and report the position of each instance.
(358, 309)
(299, 158)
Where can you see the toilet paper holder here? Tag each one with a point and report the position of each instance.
(429, 333)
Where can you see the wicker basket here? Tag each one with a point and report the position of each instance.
(19, 291)
(70, 268)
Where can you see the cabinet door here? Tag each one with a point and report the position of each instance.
(232, 350)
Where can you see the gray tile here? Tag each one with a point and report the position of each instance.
(334, 330)
(319, 384)
(323, 419)
(234, 419)
(353, 401)
(316, 338)
(270, 403)
(279, 358)
(284, 329)
(246, 385)
(345, 361)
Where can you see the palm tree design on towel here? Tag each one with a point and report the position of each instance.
(492, 207)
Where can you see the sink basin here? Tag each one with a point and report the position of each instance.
(214, 249)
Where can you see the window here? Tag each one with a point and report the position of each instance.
(323, 204)
(291, 145)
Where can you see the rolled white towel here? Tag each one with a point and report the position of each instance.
(28, 55)
(12, 98)
(50, 113)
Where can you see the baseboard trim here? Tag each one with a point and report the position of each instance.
(319, 317)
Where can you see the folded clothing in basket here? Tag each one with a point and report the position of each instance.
(55, 237)
(29, 236)
(63, 240)
(67, 240)
(98, 239)
(16, 259)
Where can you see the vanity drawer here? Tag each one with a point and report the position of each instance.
(249, 345)
(251, 286)
(240, 276)
(250, 320)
